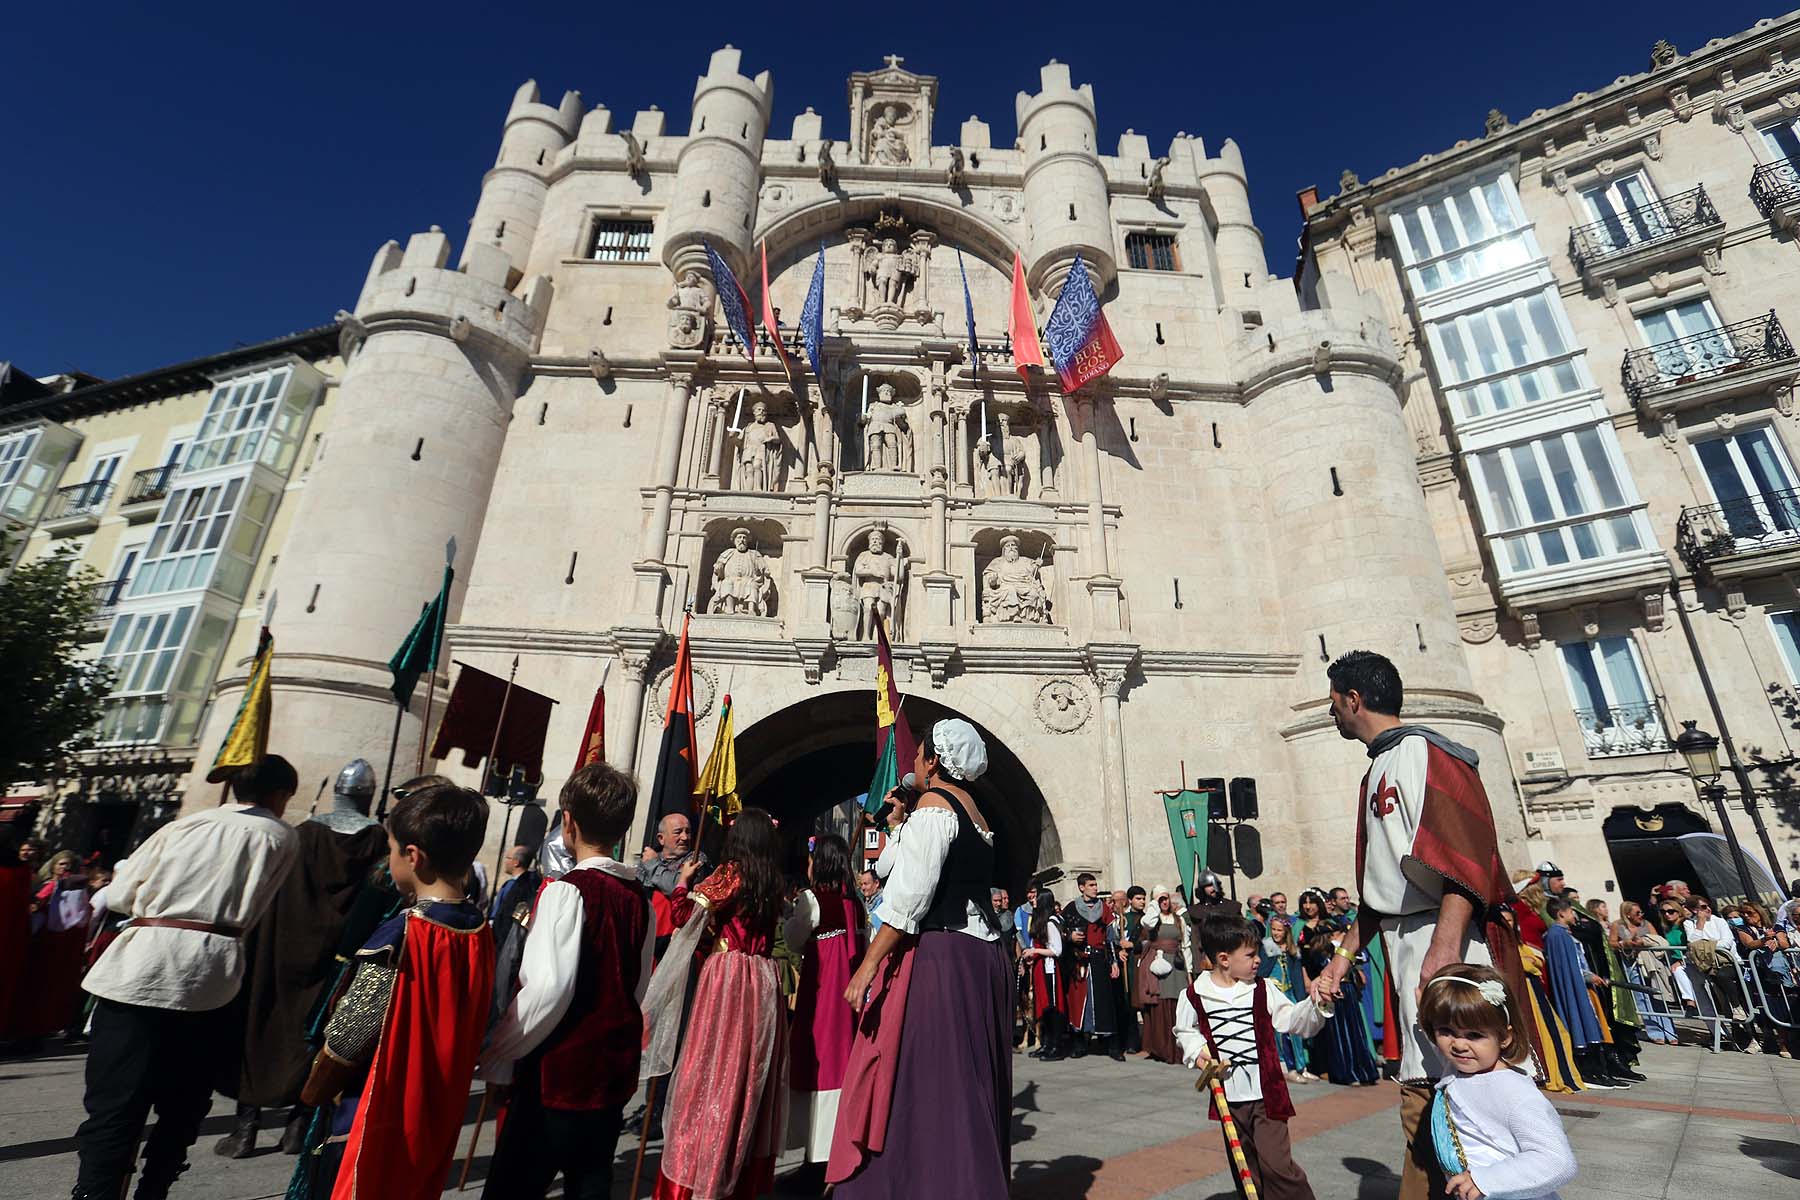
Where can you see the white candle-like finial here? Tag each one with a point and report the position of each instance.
(865, 408)
(737, 422)
(984, 418)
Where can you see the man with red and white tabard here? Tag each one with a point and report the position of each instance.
(1428, 871)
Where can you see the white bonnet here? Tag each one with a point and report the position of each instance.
(959, 749)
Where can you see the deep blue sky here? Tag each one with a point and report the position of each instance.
(182, 178)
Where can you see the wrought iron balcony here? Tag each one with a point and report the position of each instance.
(1666, 366)
(106, 595)
(1622, 729)
(151, 484)
(78, 499)
(1774, 187)
(1749, 525)
(1659, 222)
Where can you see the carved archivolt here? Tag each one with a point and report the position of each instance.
(1063, 706)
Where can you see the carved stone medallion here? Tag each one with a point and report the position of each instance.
(706, 687)
(1062, 706)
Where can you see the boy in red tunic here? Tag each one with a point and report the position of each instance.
(569, 1043)
(1229, 1015)
(401, 1042)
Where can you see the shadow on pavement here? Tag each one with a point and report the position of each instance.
(1375, 1180)
(1781, 1157)
(1066, 1178)
(66, 1145)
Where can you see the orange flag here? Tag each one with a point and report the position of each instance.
(1021, 324)
(768, 310)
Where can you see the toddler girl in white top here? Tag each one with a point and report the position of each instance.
(1495, 1133)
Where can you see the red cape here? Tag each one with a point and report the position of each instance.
(1456, 839)
(416, 1096)
(15, 936)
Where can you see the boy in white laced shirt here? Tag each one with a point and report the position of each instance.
(1228, 1014)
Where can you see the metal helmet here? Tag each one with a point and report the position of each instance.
(355, 785)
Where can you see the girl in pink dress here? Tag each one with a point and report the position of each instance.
(826, 927)
(727, 1093)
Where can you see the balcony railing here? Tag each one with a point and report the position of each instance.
(1748, 525)
(1659, 221)
(78, 499)
(1622, 729)
(1666, 366)
(1774, 186)
(151, 484)
(106, 596)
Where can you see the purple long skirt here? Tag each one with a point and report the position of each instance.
(952, 1112)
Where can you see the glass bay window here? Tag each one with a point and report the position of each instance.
(1466, 234)
(1508, 354)
(1557, 500)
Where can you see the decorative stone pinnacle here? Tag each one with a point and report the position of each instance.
(1663, 54)
(1348, 181)
(1497, 122)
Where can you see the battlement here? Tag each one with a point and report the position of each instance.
(565, 118)
(722, 71)
(1057, 89)
(416, 283)
(1283, 338)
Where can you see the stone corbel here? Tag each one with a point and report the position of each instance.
(1590, 622)
(1530, 632)
(1727, 79)
(1680, 103)
(1480, 627)
(1559, 179)
(938, 656)
(1735, 604)
(1783, 396)
(1605, 168)
(1790, 104)
(1590, 132)
(1778, 64)
(1609, 291)
(1711, 261)
(1671, 431)
(598, 365)
(351, 334)
(1653, 145)
(1735, 118)
(1655, 614)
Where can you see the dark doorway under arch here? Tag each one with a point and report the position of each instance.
(810, 756)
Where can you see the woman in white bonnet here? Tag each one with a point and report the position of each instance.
(937, 968)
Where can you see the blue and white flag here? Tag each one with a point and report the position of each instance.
(733, 302)
(969, 310)
(812, 316)
(1081, 342)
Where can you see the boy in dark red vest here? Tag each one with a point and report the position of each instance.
(1229, 1015)
(575, 1029)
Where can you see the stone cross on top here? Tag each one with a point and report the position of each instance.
(894, 61)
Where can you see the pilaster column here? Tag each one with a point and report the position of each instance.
(636, 664)
(715, 434)
(938, 549)
(668, 462)
(1109, 664)
(1096, 499)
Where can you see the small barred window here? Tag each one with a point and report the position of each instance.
(621, 241)
(1151, 252)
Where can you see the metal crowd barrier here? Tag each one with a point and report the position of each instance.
(1754, 1000)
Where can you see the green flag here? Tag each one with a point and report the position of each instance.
(1187, 831)
(887, 778)
(419, 652)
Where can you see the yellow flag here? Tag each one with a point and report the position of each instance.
(718, 779)
(248, 739)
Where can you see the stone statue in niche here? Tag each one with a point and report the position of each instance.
(992, 472)
(1015, 468)
(760, 453)
(741, 583)
(879, 576)
(1012, 588)
(887, 438)
(892, 272)
(690, 315)
(887, 143)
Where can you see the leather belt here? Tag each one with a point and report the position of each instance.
(178, 923)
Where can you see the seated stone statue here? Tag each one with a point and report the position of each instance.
(1012, 588)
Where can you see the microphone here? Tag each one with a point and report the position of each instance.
(910, 782)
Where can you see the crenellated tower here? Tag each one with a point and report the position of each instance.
(1066, 201)
(436, 356)
(512, 194)
(714, 199)
(1236, 239)
(1357, 563)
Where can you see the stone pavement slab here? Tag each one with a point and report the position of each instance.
(1706, 1127)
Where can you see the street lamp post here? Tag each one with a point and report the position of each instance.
(1700, 750)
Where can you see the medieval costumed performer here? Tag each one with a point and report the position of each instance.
(827, 927)
(1095, 997)
(724, 1122)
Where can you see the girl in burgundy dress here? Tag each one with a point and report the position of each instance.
(826, 928)
(727, 1094)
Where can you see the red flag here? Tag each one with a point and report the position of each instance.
(478, 703)
(593, 738)
(768, 310)
(672, 791)
(1021, 324)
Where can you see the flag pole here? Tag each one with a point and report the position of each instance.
(493, 749)
(387, 783)
(437, 648)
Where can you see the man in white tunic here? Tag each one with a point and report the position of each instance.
(192, 891)
(1428, 872)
